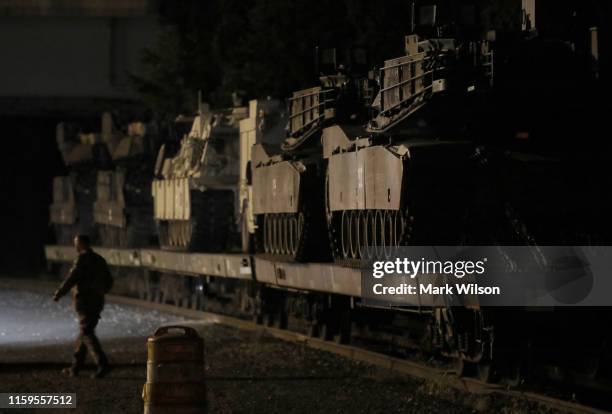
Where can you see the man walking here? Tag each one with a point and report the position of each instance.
(89, 279)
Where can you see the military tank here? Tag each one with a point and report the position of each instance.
(288, 184)
(123, 210)
(370, 160)
(265, 127)
(74, 194)
(196, 191)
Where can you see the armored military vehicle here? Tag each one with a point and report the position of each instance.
(288, 185)
(195, 192)
(84, 154)
(386, 153)
(123, 210)
(264, 127)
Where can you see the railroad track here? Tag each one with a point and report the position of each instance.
(390, 363)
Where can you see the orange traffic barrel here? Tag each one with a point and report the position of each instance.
(175, 372)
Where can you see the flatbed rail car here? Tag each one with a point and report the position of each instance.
(324, 300)
(318, 299)
(324, 277)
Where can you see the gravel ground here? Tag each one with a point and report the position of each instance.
(247, 371)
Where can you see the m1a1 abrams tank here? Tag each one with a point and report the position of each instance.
(74, 194)
(123, 211)
(265, 128)
(288, 185)
(408, 178)
(195, 192)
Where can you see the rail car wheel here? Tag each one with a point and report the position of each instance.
(326, 331)
(514, 376)
(281, 320)
(461, 366)
(268, 319)
(312, 329)
(484, 371)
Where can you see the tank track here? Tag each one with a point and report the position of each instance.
(351, 252)
(273, 230)
(353, 258)
(210, 228)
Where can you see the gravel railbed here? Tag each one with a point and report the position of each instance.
(246, 371)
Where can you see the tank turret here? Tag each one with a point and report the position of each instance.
(195, 192)
(84, 154)
(123, 209)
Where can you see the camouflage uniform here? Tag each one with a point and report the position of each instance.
(89, 279)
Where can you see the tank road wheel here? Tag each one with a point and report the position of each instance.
(284, 233)
(378, 230)
(270, 221)
(275, 234)
(389, 234)
(371, 232)
(279, 234)
(301, 221)
(291, 229)
(288, 235)
(346, 234)
(266, 233)
(354, 232)
(363, 234)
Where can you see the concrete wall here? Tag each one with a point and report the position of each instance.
(83, 57)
